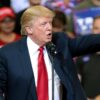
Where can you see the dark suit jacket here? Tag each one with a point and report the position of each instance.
(16, 76)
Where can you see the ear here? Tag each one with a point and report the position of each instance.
(28, 30)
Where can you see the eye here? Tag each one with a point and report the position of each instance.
(44, 23)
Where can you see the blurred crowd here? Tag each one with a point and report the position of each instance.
(74, 17)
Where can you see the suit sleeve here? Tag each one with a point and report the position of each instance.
(3, 77)
(84, 45)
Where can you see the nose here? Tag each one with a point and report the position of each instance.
(49, 26)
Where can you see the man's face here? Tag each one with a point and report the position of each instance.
(96, 26)
(41, 30)
(7, 25)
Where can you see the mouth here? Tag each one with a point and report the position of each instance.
(49, 35)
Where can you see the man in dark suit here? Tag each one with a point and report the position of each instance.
(26, 65)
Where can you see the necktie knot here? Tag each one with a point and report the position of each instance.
(41, 49)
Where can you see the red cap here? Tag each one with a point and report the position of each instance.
(6, 12)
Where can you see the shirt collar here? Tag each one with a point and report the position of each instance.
(32, 46)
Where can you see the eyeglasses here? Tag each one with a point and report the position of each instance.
(7, 21)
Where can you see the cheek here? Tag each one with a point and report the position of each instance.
(11, 25)
(40, 35)
(96, 31)
(2, 26)
(7, 25)
(38, 32)
(41, 31)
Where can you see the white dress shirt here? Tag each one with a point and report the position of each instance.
(33, 52)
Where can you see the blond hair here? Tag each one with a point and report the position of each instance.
(31, 14)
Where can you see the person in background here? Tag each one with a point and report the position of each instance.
(88, 67)
(96, 25)
(18, 16)
(60, 23)
(83, 5)
(65, 6)
(7, 25)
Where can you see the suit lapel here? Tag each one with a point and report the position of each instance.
(65, 79)
(57, 62)
(27, 68)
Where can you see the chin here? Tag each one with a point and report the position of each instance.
(49, 40)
